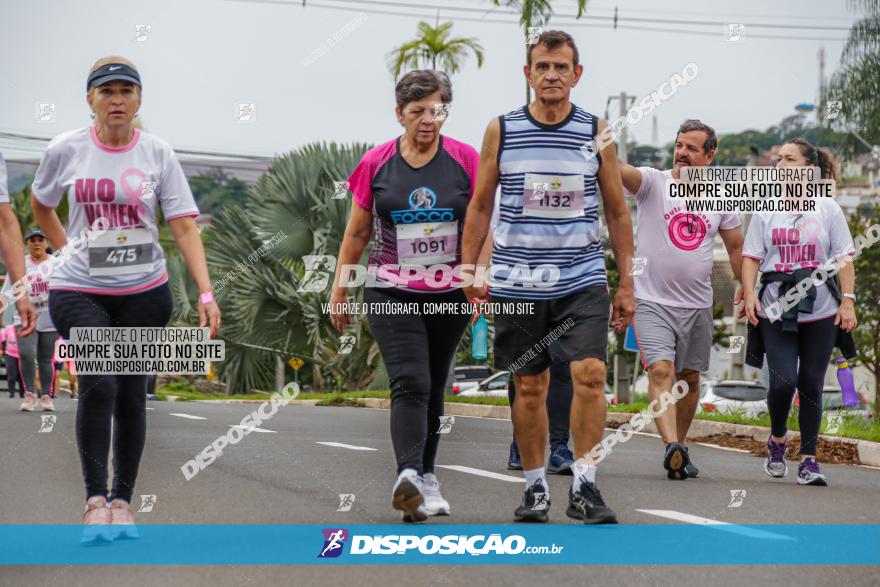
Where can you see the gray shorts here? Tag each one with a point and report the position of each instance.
(680, 335)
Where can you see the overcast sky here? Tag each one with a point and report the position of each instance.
(202, 58)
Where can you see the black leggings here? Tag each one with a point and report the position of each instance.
(812, 345)
(120, 399)
(418, 351)
(559, 395)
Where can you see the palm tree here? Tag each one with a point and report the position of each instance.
(433, 47)
(857, 82)
(535, 13)
(261, 304)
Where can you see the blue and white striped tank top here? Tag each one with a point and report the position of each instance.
(549, 208)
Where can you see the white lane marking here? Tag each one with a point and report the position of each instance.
(151, 408)
(869, 467)
(725, 526)
(482, 473)
(187, 416)
(730, 448)
(349, 446)
(252, 428)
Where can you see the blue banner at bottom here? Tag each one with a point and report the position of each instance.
(227, 544)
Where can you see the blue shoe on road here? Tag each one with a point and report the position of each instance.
(514, 463)
(561, 460)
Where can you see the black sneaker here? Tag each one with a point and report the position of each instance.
(587, 505)
(514, 463)
(535, 505)
(561, 460)
(676, 461)
(691, 468)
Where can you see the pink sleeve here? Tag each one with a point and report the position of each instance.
(360, 183)
(466, 156)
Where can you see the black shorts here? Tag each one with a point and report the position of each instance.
(564, 329)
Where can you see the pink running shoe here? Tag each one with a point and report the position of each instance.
(47, 404)
(122, 520)
(29, 402)
(96, 520)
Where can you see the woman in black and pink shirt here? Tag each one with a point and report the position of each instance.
(411, 193)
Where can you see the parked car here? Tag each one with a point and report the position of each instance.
(497, 386)
(832, 401)
(731, 396)
(466, 377)
(493, 386)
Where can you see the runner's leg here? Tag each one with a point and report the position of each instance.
(686, 407)
(661, 377)
(559, 398)
(27, 363)
(12, 375)
(815, 345)
(530, 418)
(446, 331)
(95, 406)
(45, 354)
(403, 343)
(151, 308)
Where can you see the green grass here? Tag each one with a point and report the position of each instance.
(630, 408)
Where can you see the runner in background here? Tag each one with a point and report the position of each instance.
(10, 349)
(10, 250)
(674, 321)
(412, 193)
(37, 348)
(120, 177)
(786, 248)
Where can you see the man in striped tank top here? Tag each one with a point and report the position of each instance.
(550, 172)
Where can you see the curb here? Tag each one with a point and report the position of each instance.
(869, 452)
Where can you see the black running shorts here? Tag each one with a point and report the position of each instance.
(571, 328)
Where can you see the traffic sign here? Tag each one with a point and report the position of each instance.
(630, 343)
(296, 363)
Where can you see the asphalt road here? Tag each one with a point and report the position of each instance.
(282, 474)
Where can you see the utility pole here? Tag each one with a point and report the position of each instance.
(279, 373)
(625, 101)
(655, 136)
(819, 105)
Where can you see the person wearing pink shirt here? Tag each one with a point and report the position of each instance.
(118, 178)
(412, 193)
(673, 323)
(10, 349)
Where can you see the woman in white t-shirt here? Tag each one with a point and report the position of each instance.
(111, 271)
(798, 336)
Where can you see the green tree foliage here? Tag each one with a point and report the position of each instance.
(216, 189)
(856, 83)
(434, 48)
(261, 302)
(867, 266)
